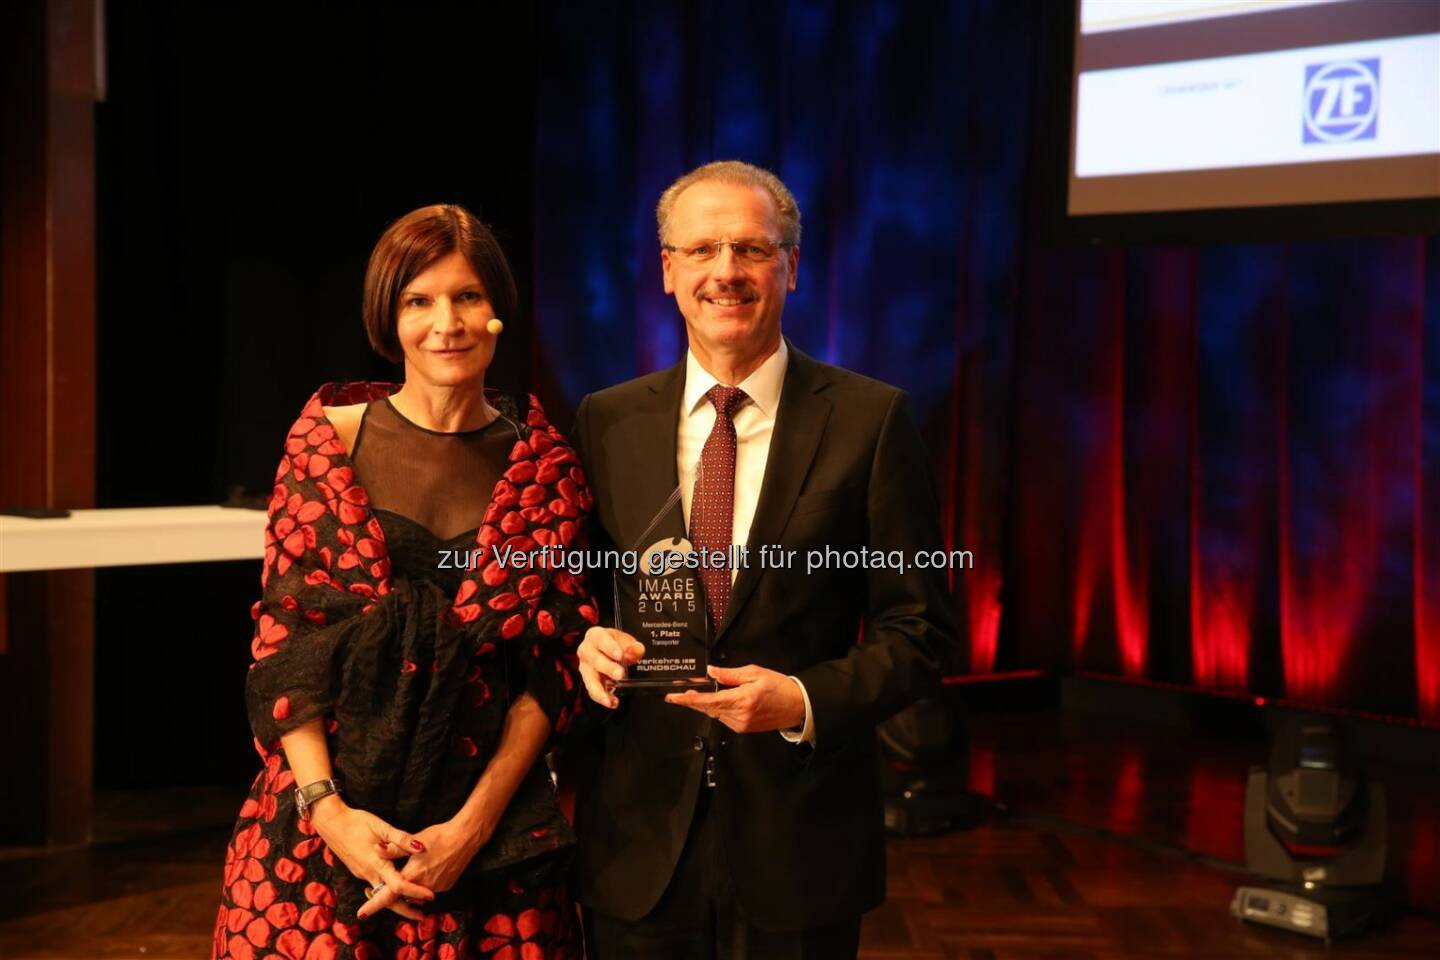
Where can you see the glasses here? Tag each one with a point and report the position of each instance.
(746, 251)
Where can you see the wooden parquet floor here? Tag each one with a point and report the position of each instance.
(1008, 891)
(1090, 864)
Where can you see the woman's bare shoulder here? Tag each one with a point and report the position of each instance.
(347, 422)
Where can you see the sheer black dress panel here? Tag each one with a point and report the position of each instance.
(429, 489)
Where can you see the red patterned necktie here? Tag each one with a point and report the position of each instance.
(712, 508)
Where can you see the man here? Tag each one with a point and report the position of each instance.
(746, 822)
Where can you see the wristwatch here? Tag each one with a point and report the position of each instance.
(306, 796)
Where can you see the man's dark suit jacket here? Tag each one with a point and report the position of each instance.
(802, 829)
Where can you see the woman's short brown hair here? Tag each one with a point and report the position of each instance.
(409, 246)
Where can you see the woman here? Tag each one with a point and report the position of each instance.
(401, 701)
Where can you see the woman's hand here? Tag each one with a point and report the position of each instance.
(449, 848)
(353, 836)
(438, 855)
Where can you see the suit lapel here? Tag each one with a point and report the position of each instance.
(650, 450)
(799, 425)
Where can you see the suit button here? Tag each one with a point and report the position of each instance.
(699, 744)
(720, 657)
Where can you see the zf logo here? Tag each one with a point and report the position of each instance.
(1342, 100)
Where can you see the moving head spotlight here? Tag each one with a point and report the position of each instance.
(924, 774)
(1317, 826)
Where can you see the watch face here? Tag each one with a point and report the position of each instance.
(308, 794)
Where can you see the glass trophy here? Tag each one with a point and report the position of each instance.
(663, 606)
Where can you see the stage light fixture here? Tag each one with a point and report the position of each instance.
(923, 772)
(1315, 827)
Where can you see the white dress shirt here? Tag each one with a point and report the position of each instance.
(754, 424)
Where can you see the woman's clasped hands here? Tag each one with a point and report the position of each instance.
(367, 845)
(438, 855)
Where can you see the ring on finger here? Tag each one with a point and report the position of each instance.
(372, 892)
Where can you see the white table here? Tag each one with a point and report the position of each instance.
(102, 538)
(131, 537)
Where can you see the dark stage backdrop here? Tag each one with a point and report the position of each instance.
(1215, 465)
(248, 159)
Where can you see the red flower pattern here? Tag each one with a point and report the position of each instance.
(284, 895)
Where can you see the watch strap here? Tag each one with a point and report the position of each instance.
(306, 796)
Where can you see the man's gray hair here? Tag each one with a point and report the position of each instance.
(743, 174)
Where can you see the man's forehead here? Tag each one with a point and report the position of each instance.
(716, 203)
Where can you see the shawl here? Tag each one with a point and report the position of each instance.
(413, 684)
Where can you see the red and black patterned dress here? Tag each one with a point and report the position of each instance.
(409, 640)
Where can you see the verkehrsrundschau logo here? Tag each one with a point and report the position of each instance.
(1342, 100)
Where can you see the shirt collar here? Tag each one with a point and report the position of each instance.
(762, 386)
